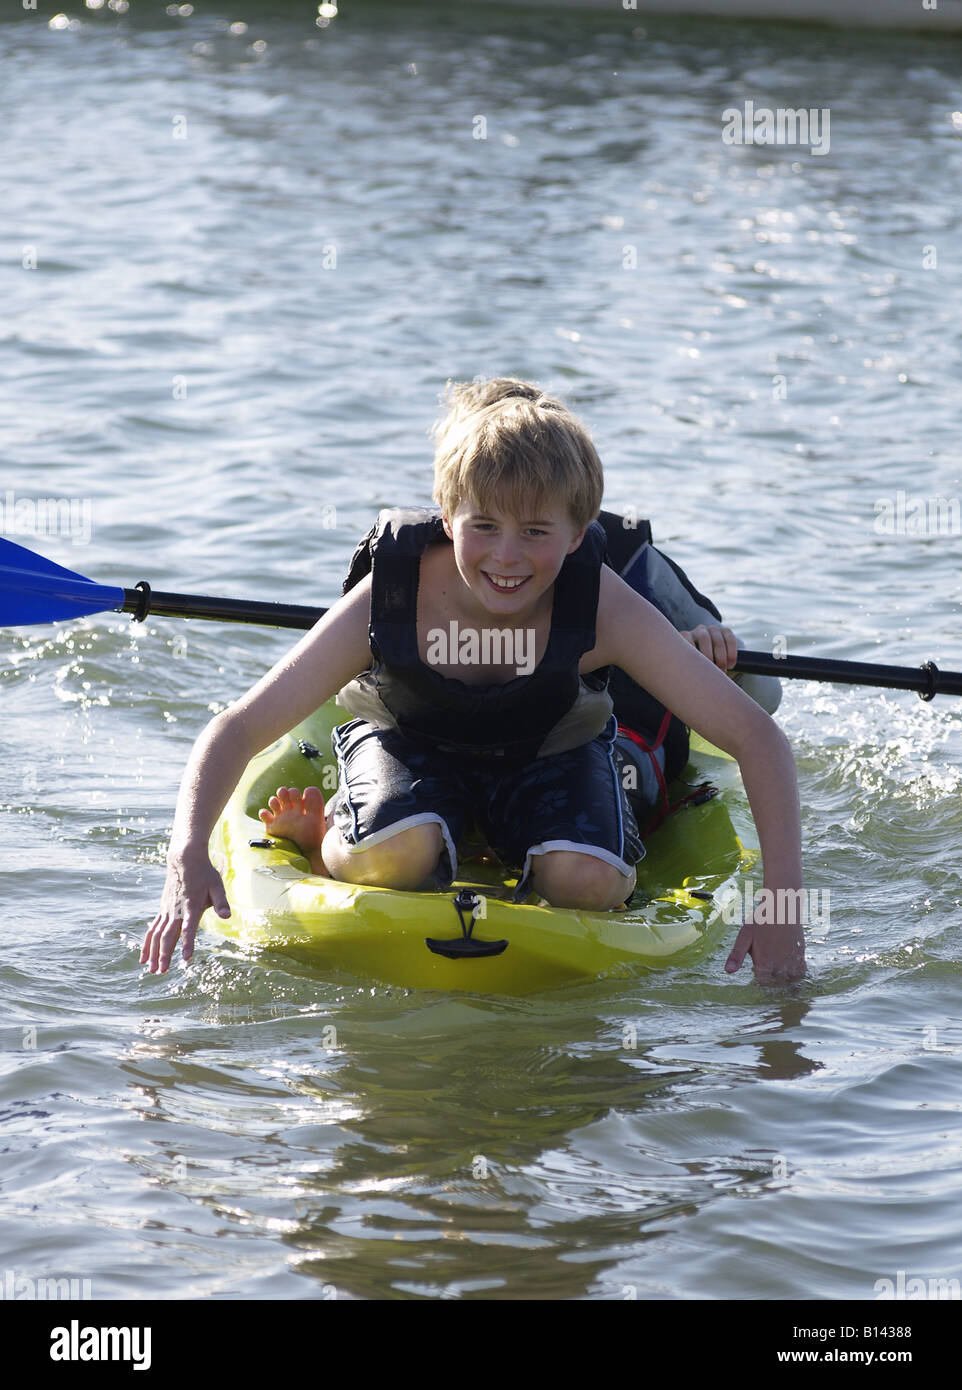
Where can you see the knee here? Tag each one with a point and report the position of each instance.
(569, 879)
(402, 861)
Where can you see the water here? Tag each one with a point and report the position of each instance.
(228, 357)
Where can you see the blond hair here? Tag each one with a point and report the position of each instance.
(504, 441)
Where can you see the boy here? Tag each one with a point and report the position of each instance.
(528, 745)
(657, 578)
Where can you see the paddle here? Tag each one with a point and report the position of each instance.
(35, 590)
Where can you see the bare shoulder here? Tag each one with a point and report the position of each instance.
(357, 599)
(332, 653)
(632, 634)
(620, 611)
(342, 636)
(438, 584)
(437, 561)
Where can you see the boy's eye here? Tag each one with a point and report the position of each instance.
(489, 526)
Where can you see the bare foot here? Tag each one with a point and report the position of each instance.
(297, 816)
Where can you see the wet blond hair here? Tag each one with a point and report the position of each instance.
(505, 442)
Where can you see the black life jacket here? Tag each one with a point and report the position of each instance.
(532, 716)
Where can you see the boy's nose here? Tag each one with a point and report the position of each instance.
(508, 551)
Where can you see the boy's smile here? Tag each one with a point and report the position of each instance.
(509, 562)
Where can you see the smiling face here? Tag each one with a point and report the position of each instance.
(509, 562)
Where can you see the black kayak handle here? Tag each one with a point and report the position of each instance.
(466, 945)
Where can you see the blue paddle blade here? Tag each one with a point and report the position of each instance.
(35, 590)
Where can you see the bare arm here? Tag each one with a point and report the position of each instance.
(632, 634)
(335, 650)
(332, 653)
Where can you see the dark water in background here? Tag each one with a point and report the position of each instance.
(227, 358)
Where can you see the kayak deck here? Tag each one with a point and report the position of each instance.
(380, 933)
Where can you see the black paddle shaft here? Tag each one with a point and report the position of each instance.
(144, 600)
(926, 680)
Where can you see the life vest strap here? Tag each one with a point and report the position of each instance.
(665, 808)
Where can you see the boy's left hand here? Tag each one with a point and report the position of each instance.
(777, 952)
(717, 643)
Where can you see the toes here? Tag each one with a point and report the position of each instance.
(313, 801)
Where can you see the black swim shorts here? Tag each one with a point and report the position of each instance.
(569, 801)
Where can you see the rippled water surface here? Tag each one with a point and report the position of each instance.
(238, 269)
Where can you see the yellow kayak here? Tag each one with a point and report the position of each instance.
(473, 936)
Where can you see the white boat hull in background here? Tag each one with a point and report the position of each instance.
(876, 14)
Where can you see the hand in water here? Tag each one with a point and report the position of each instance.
(193, 885)
(777, 952)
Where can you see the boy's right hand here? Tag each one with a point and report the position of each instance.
(718, 643)
(193, 884)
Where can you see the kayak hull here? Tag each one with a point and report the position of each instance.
(380, 934)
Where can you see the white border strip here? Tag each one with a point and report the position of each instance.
(524, 886)
(388, 833)
(379, 836)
